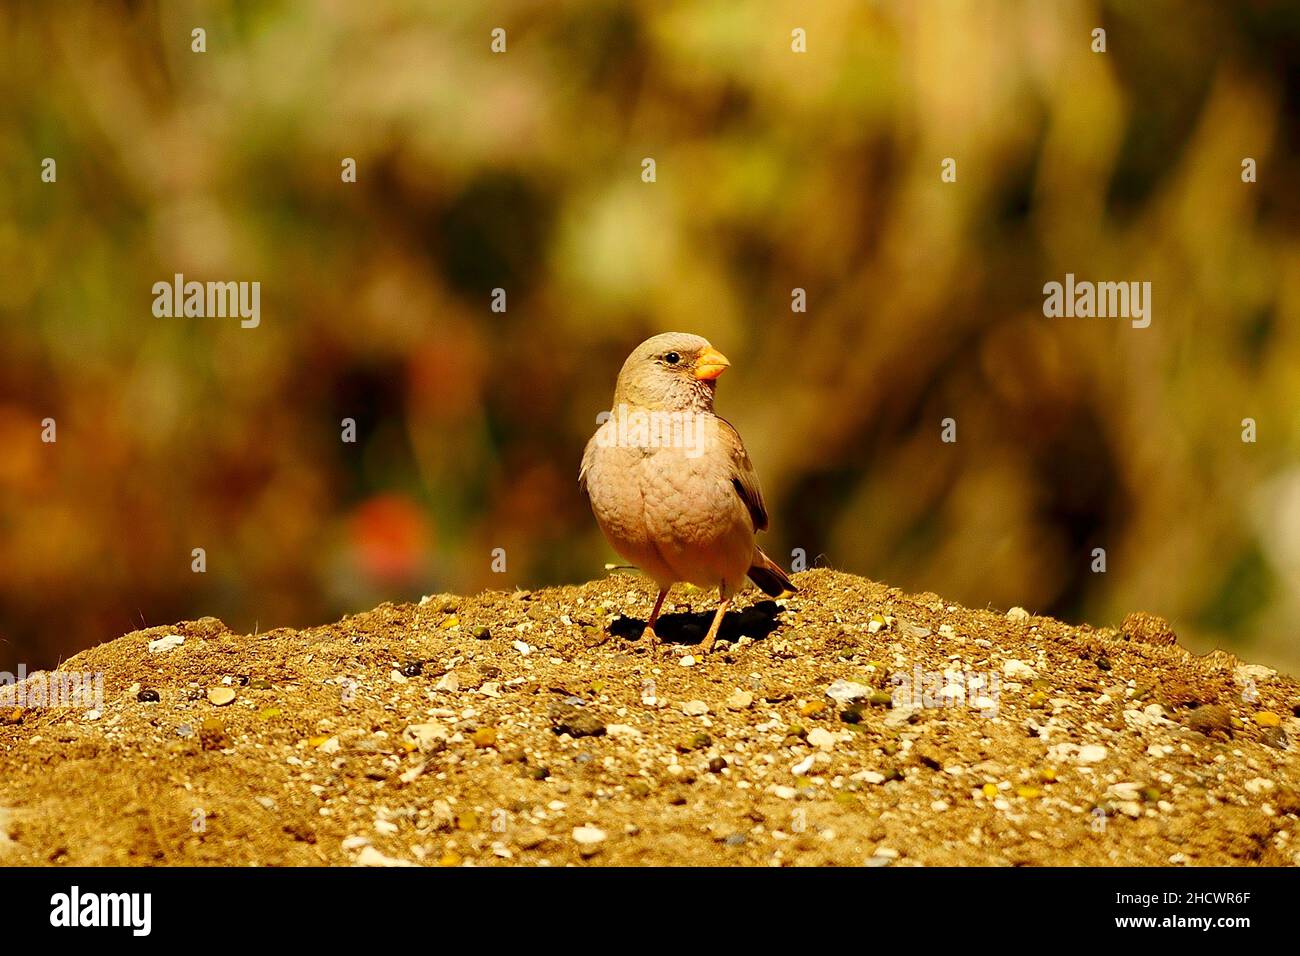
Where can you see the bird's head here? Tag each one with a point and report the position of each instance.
(673, 371)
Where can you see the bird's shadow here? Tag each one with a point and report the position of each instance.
(689, 627)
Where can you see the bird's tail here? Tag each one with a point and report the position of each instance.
(767, 574)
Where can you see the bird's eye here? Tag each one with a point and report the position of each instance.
(672, 358)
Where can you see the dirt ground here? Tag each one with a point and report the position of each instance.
(537, 728)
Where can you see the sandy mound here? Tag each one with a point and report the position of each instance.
(535, 727)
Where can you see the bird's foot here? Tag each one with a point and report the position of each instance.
(706, 645)
(649, 635)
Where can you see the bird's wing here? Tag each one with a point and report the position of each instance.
(587, 455)
(743, 477)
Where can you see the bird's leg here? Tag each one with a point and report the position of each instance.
(707, 644)
(649, 631)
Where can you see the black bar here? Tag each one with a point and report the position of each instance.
(540, 906)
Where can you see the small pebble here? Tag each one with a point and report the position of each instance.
(740, 700)
(531, 838)
(164, 644)
(220, 696)
(1210, 719)
(432, 736)
(369, 856)
(1017, 670)
(576, 722)
(588, 836)
(1259, 785)
(1092, 753)
(1275, 737)
(148, 696)
(845, 691)
(821, 738)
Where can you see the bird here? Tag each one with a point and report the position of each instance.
(670, 483)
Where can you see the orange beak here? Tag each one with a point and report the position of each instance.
(710, 364)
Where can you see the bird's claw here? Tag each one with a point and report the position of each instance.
(649, 635)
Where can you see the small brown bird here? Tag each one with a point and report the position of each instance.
(670, 483)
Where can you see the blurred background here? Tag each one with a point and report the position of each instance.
(522, 171)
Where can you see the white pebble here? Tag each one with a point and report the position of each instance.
(868, 776)
(166, 643)
(372, 857)
(1092, 753)
(847, 690)
(821, 738)
(588, 836)
(740, 700)
(1017, 670)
